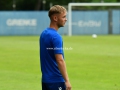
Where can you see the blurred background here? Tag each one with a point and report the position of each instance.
(21, 17)
(92, 53)
(42, 5)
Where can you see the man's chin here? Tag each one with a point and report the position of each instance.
(62, 26)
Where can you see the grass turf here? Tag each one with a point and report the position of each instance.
(92, 63)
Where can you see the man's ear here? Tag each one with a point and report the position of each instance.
(55, 18)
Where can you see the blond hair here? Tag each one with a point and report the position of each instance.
(56, 9)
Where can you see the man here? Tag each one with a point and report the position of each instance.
(53, 67)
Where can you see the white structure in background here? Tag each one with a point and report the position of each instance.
(70, 5)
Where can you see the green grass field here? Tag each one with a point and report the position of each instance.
(92, 64)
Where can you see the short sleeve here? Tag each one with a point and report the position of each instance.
(58, 44)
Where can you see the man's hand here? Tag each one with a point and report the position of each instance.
(68, 85)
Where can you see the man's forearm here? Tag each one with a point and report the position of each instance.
(63, 70)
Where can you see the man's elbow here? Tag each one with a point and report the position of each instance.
(59, 58)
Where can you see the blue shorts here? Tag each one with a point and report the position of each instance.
(53, 86)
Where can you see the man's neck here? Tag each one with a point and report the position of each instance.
(54, 26)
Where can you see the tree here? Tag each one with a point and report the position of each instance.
(40, 4)
(6, 4)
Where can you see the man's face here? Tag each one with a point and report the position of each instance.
(61, 19)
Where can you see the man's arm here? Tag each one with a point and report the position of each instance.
(62, 68)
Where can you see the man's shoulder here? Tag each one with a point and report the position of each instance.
(53, 32)
(49, 32)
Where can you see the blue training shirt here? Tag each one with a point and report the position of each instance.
(50, 44)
